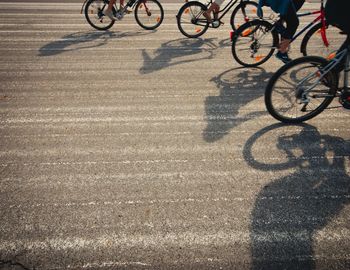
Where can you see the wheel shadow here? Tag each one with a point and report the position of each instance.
(177, 52)
(84, 40)
(290, 212)
(238, 87)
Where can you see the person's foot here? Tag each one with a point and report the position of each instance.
(283, 57)
(284, 45)
(127, 10)
(109, 14)
(215, 23)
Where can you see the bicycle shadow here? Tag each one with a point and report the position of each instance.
(289, 212)
(179, 49)
(84, 40)
(236, 90)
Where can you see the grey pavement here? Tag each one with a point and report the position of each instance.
(135, 149)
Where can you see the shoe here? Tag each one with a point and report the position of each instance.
(215, 23)
(127, 10)
(109, 14)
(119, 15)
(283, 57)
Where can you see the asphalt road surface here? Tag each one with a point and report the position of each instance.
(135, 149)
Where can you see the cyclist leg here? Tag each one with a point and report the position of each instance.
(215, 8)
(292, 22)
(298, 4)
(338, 68)
(110, 4)
(108, 12)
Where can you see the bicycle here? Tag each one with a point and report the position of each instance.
(303, 88)
(192, 23)
(255, 41)
(149, 14)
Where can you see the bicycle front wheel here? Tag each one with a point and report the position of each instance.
(94, 14)
(191, 21)
(245, 12)
(254, 43)
(296, 92)
(149, 14)
(322, 42)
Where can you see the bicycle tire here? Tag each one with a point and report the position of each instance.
(247, 32)
(313, 44)
(330, 85)
(243, 7)
(199, 29)
(91, 11)
(158, 18)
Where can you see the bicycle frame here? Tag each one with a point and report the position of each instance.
(321, 18)
(344, 54)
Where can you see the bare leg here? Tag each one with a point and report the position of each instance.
(213, 8)
(284, 45)
(110, 5)
(108, 12)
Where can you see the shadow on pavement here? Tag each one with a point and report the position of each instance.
(185, 50)
(238, 87)
(84, 40)
(290, 211)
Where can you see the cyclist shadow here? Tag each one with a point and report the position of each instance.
(236, 90)
(180, 49)
(289, 212)
(83, 40)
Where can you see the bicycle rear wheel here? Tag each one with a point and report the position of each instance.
(254, 43)
(149, 14)
(246, 11)
(191, 21)
(289, 95)
(314, 44)
(94, 14)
